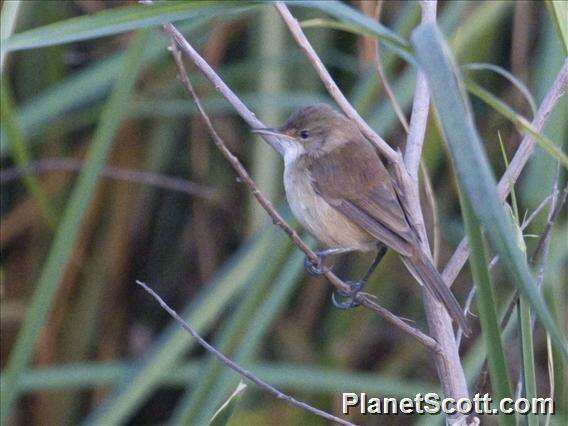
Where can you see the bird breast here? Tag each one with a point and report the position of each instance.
(325, 223)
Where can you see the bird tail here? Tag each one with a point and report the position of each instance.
(426, 274)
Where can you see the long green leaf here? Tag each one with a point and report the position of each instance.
(190, 408)
(355, 19)
(64, 241)
(559, 12)
(258, 327)
(485, 301)
(527, 350)
(242, 269)
(472, 167)
(224, 413)
(117, 20)
(8, 18)
(506, 74)
(518, 120)
(290, 376)
(12, 136)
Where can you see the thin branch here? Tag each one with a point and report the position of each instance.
(363, 298)
(420, 106)
(331, 86)
(382, 75)
(136, 176)
(540, 255)
(240, 370)
(541, 250)
(516, 165)
(221, 87)
(495, 259)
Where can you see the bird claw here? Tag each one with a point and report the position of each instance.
(315, 270)
(349, 296)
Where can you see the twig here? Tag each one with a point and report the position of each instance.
(234, 366)
(382, 75)
(137, 176)
(420, 107)
(221, 87)
(541, 249)
(516, 165)
(492, 264)
(362, 298)
(331, 86)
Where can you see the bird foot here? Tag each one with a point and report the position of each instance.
(313, 268)
(346, 299)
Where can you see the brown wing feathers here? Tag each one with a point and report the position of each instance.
(367, 197)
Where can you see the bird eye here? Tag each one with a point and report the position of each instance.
(304, 134)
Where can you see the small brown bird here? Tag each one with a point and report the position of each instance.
(341, 192)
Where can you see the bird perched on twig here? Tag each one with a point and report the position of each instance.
(341, 192)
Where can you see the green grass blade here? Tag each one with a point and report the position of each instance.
(117, 20)
(204, 309)
(190, 408)
(559, 11)
(506, 74)
(485, 302)
(527, 346)
(93, 83)
(520, 121)
(8, 19)
(224, 413)
(354, 29)
(20, 153)
(472, 167)
(355, 19)
(289, 376)
(64, 240)
(249, 344)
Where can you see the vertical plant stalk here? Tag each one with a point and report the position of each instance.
(500, 382)
(265, 163)
(448, 363)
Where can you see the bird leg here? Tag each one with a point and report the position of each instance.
(318, 269)
(357, 286)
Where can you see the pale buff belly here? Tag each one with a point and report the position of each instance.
(325, 223)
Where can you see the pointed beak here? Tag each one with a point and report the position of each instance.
(268, 131)
(271, 132)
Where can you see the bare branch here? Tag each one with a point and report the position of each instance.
(420, 107)
(331, 86)
(516, 165)
(240, 370)
(221, 87)
(363, 298)
(136, 176)
(382, 75)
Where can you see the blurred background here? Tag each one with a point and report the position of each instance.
(167, 209)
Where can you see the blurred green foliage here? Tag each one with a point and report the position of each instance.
(81, 343)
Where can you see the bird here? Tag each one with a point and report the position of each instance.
(341, 192)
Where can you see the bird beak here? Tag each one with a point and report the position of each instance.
(271, 132)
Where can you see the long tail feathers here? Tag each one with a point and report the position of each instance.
(426, 274)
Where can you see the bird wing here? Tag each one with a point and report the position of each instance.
(353, 180)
